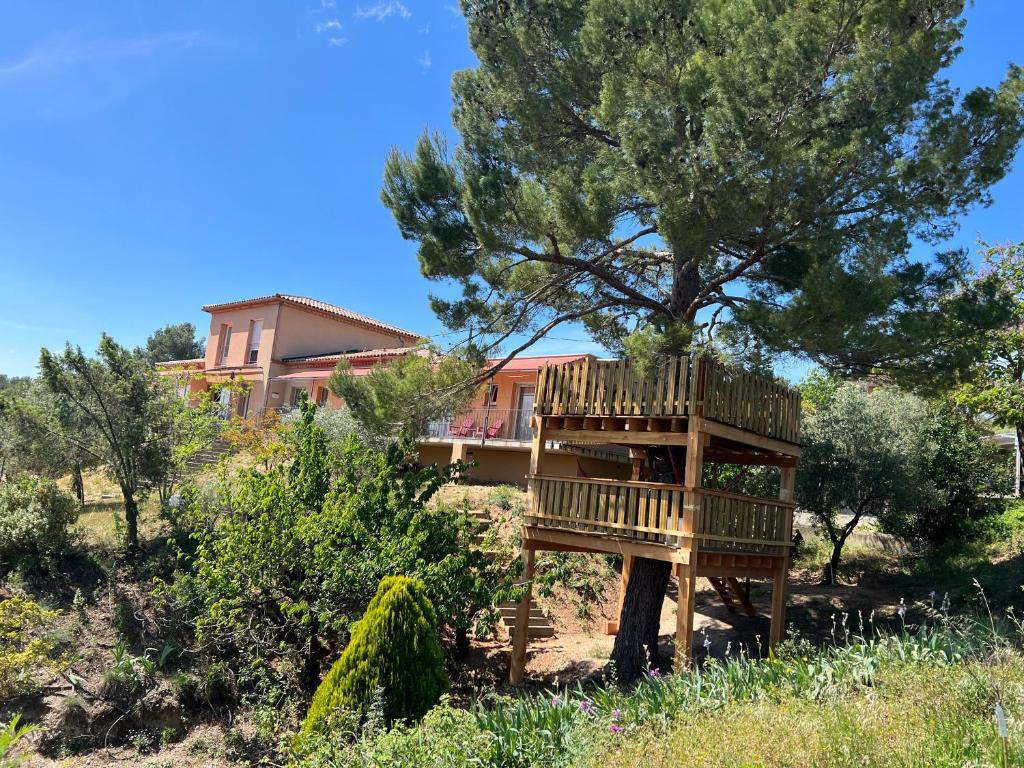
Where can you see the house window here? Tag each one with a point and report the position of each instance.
(225, 343)
(492, 395)
(255, 331)
(321, 396)
(243, 404)
(296, 396)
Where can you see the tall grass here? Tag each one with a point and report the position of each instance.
(966, 663)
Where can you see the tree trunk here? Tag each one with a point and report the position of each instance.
(831, 575)
(461, 642)
(636, 644)
(78, 483)
(131, 519)
(1018, 475)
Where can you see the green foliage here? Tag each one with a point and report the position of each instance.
(291, 556)
(127, 410)
(406, 393)
(173, 342)
(962, 469)
(25, 647)
(394, 649)
(863, 455)
(576, 726)
(655, 169)
(996, 386)
(35, 516)
(506, 497)
(12, 733)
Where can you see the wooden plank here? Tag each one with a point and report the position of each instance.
(560, 540)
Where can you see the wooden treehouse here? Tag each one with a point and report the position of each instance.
(676, 420)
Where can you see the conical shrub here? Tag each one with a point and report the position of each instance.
(395, 649)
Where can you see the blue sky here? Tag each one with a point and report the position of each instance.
(159, 156)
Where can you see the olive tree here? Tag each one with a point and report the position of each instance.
(865, 454)
(128, 414)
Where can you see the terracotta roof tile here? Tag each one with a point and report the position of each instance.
(318, 306)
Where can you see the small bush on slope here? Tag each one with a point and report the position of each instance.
(394, 649)
(34, 519)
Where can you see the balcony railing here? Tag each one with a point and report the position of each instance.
(656, 513)
(483, 424)
(681, 387)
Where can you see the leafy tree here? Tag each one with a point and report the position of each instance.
(656, 169)
(42, 434)
(173, 342)
(128, 414)
(962, 469)
(864, 454)
(277, 578)
(13, 382)
(406, 393)
(996, 384)
(395, 649)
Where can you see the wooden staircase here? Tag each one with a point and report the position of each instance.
(540, 624)
(731, 592)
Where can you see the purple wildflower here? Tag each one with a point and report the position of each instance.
(554, 701)
(615, 728)
(654, 672)
(586, 707)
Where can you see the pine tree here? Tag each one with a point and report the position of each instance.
(395, 649)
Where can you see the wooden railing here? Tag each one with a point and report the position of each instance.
(694, 386)
(644, 511)
(614, 388)
(654, 512)
(731, 521)
(748, 401)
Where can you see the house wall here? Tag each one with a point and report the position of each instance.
(508, 465)
(239, 320)
(301, 332)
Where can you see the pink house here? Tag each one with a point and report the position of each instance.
(283, 345)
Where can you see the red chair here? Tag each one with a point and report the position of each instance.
(494, 429)
(463, 430)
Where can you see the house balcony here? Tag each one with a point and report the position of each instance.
(501, 425)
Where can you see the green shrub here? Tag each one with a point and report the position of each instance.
(394, 650)
(34, 519)
(24, 644)
(11, 735)
(507, 497)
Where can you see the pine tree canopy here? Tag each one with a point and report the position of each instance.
(667, 170)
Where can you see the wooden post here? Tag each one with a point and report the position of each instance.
(522, 626)
(787, 482)
(627, 566)
(686, 574)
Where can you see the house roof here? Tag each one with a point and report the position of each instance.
(352, 357)
(533, 362)
(304, 302)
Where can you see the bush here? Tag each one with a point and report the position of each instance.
(394, 649)
(34, 519)
(24, 646)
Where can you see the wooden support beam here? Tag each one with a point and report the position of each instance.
(687, 578)
(721, 456)
(617, 436)
(747, 438)
(560, 540)
(627, 567)
(787, 484)
(517, 669)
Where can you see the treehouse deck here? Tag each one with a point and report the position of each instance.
(688, 415)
